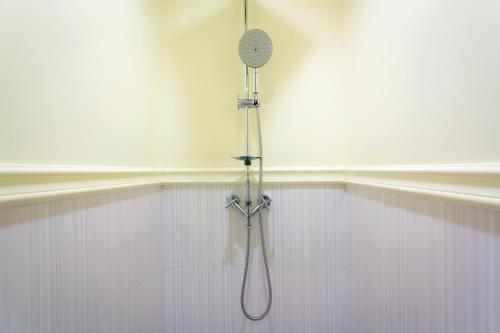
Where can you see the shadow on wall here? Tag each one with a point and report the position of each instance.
(207, 74)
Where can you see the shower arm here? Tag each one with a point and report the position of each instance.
(245, 14)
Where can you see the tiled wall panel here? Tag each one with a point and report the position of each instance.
(420, 264)
(348, 260)
(204, 252)
(72, 265)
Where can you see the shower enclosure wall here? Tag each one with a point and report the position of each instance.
(343, 259)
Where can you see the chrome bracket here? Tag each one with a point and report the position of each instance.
(244, 103)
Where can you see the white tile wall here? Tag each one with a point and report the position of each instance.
(343, 260)
(422, 265)
(204, 252)
(81, 264)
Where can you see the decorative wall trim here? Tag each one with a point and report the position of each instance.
(42, 169)
(271, 175)
(438, 169)
(22, 184)
(470, 199)
(476, 184)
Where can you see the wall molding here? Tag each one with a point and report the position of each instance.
(476, 184)
(23, 184)
(438, 169)
(271, 175)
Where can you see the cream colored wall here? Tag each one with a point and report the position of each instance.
(422, 81)
(78, 82)
(154, 83)
(303, 119)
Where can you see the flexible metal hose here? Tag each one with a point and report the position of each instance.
(262, 240)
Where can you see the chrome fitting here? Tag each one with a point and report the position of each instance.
(248, 211)
(244, 103)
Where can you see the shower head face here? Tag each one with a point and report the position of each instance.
(255, 48)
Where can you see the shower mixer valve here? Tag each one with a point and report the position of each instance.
(247, 210)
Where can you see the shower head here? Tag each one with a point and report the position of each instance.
(255, 48)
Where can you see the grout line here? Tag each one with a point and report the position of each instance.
(124, 300)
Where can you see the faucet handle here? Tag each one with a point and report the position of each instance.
(232, 199)
(265, 201)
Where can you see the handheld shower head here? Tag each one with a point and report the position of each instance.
(255, 48)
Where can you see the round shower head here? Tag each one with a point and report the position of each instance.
(255, 48)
